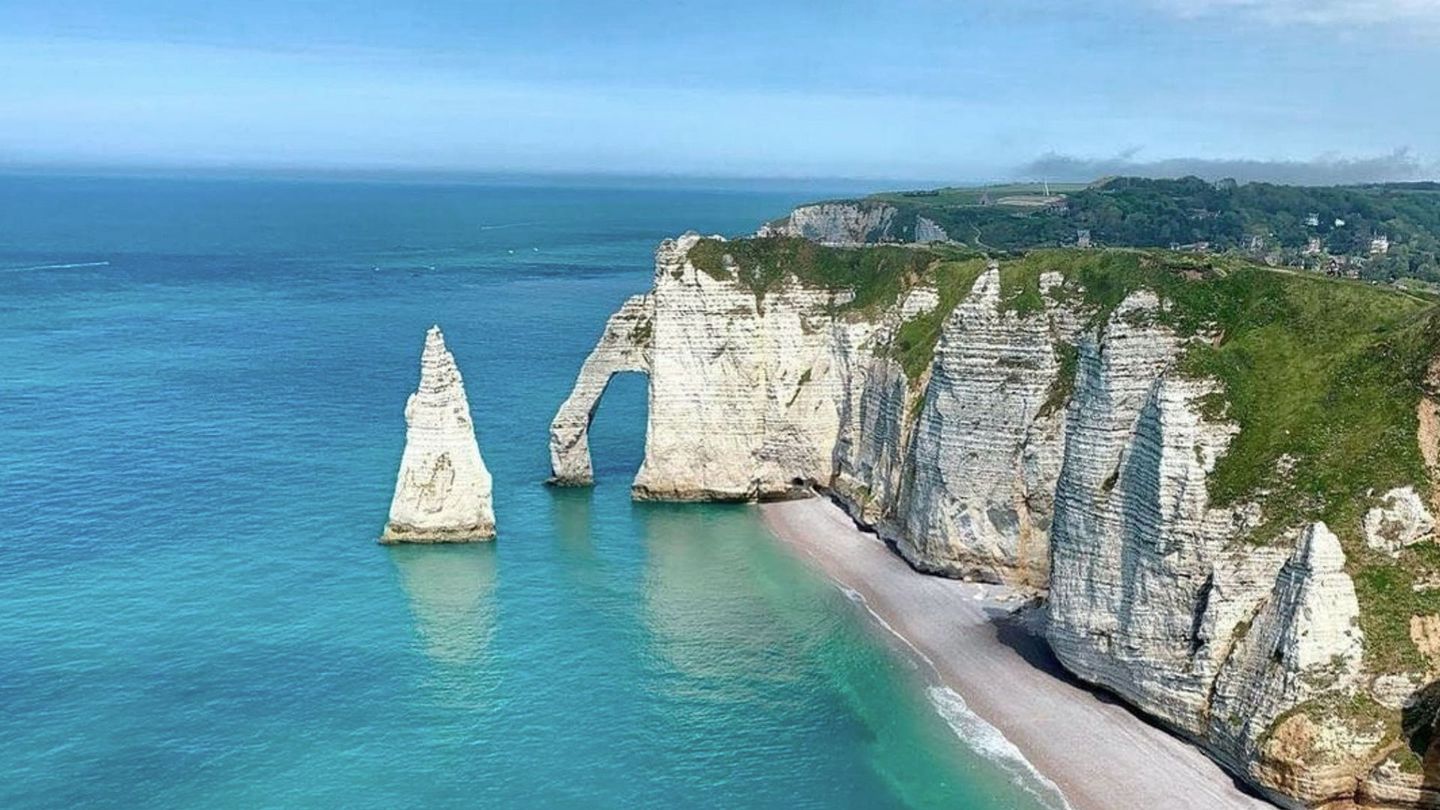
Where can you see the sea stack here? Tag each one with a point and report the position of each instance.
(442, 494)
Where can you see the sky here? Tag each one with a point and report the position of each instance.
(939, 90)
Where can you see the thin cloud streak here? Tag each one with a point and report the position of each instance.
(1397, 166)
(1323, 13)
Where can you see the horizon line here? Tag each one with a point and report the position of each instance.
(405, 175)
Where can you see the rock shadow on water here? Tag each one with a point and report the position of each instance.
(590, 570)
(451, 590)
(570, 514)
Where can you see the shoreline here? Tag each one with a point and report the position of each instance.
(1095, 750)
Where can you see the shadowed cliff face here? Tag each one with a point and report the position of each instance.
(1063, 424)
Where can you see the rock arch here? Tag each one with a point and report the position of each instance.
(625, 346)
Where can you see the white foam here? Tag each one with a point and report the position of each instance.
(980, 736)
(58, 266)
(994, 746)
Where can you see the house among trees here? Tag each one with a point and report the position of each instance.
(1082, 238)
(1341, 267)
(1380, 245)
(1314, 247)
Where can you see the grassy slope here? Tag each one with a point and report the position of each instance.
(915, 342)
(1137, 212)
(1324, 372)
(877, 275)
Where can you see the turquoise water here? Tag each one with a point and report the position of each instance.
(201, 394)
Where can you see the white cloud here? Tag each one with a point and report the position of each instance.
(1330, 13)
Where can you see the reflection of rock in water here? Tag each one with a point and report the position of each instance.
(452, 596)
(586, 572)
(570, 512)
(721, 609)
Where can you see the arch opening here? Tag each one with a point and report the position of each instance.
(625, 346)
(617, 426)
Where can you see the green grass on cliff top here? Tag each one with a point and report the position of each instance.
(1323, 373)
(877, 275)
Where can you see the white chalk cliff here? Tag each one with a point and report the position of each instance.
(842, 223)
(856, 222)
(442, 493)
(1047, 445)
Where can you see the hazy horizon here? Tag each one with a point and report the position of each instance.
(1297, 173)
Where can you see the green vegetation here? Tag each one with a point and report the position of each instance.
(642, 331)
(1020, 289)
(915, 342)
(1386, 591)
(800, 386)
(1013, 195)
(1133, 211)
(876, 275)
(1064, 384)
(1320, 371)
(1265, 218)
(1358, 711)
(1407, 760)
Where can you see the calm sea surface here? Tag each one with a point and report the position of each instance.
(201, 395)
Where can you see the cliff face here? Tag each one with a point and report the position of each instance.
(1217, 548)
(442, 493)
(986, 448)
(855, 222)
(842, 223)
(745, 392)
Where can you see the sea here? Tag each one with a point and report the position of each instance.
(202, 384)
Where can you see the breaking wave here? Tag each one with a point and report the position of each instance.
(980, 736)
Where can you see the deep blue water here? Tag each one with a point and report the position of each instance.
(201, 394)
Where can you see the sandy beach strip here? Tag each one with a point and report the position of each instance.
(1099, 753)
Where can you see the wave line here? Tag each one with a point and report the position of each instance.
(55, 266)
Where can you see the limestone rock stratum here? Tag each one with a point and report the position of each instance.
(848, 223)
(442, 494)
(1066, 421)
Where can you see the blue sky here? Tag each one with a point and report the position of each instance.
(922, 89)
